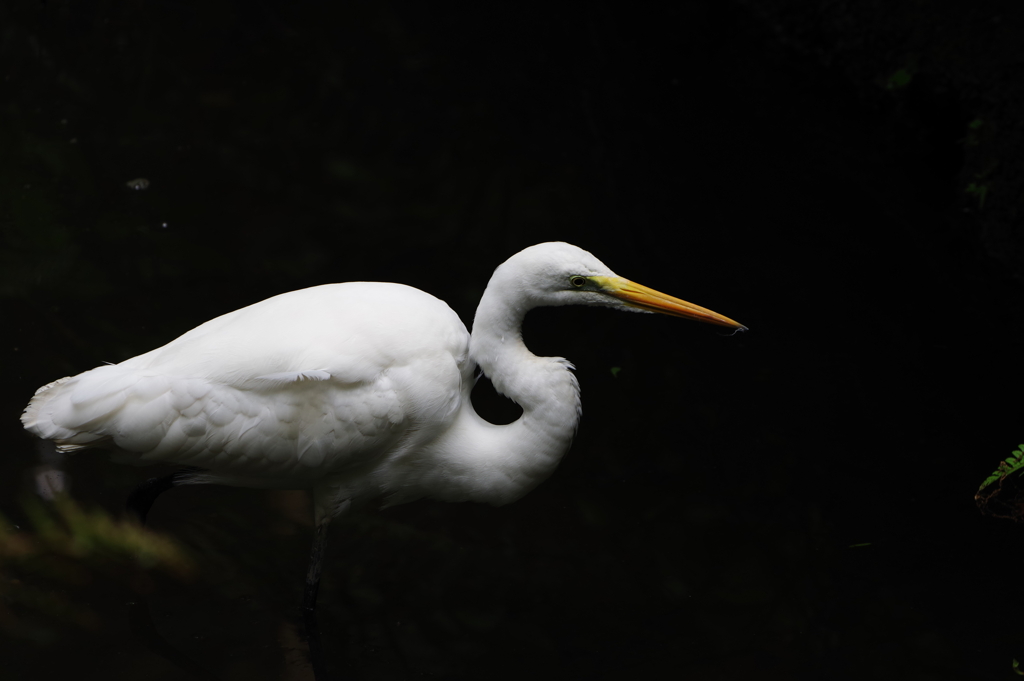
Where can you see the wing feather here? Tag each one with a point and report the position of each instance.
(288, 389)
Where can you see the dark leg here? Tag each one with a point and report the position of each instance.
(316, 562)
(316, 648)
(142, 498)
(138, 504)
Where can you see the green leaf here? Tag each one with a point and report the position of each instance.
(899, 79)
(978, 190)
(1008, 466)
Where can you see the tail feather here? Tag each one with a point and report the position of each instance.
(72, 411)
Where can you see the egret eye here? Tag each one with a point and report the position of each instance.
(578, 281)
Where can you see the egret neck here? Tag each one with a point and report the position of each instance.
(501, 463)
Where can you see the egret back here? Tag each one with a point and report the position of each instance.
(280, 393)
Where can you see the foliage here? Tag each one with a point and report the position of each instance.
(1006, 467)
(899, 79)
(979, 191)
(69, 547)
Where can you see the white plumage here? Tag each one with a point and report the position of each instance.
(279, 394)
(356, 391)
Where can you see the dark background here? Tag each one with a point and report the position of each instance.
(794, 502)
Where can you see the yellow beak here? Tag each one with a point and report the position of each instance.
(639, 296)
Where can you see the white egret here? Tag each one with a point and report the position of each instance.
(357, 391)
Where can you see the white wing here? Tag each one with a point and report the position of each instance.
(325, 379)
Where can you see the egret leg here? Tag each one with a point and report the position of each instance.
(316, 562)
(141, 621)
(142, 497)
(316, 648)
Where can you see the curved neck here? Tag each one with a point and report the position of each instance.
(499, 464)
(539, 385)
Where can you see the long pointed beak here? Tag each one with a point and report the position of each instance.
(644, 298)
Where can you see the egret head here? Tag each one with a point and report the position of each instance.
(557, 273)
